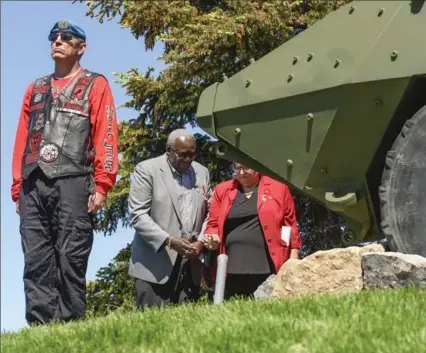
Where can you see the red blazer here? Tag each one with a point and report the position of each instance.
(275, 207)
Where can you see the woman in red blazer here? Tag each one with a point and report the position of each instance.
(252, 219)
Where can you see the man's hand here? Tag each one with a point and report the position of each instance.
(17, 207)
(182, 246)
(198, 247)
(96, 202)
(211, 241)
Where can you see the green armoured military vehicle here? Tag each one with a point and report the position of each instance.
(339, 113)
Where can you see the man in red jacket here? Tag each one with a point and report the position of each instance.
(65, 161)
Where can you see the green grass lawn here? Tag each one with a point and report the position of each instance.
(368, 322)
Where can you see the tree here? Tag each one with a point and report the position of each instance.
(112, 290)
(203, 40)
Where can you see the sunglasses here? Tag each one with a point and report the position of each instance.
(64, 36)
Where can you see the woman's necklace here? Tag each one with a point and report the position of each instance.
(248, 192)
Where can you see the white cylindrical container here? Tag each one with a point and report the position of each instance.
(219, 289)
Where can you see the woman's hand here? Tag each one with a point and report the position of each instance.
(294, 254)
(211, 241)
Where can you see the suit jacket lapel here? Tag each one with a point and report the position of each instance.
(169, 181)
(197, 195)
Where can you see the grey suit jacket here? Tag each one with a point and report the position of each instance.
(154, 213)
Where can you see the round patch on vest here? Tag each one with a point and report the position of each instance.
(49, 153)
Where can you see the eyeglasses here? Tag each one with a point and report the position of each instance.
(64, 36)
(185, 155)
(240, 168)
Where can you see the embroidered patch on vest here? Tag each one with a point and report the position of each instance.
(41, 89)
(41, 82)
(73, 108)
(49, 153)
(35, 141)
(38, 97)
(39, 121)
(84, 81)
(37, 107)
(78, 92)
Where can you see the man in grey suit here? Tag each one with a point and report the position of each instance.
(168, 203)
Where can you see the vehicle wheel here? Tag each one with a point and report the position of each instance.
(403, 189)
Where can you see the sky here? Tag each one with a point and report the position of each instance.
(25, 56)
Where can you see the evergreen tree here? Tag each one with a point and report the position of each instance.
(203, 40)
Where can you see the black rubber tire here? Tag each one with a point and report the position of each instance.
(403, 189)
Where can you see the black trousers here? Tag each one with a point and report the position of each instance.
(178, 289)
(57, 238)
(243, 285)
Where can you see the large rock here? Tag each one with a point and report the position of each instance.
(264, 291)
(393, 270)
(337, 270)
